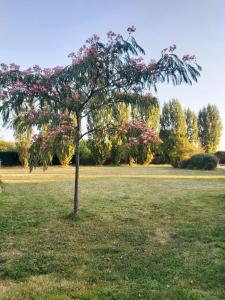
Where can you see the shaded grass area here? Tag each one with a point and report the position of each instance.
(134, 238)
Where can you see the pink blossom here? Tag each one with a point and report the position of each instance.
(152, 65)
(28, 71)
(57, 69)
(14, 67)
(95, 38)
(37, 68)
(188, 57)
(131, 29)
(172, 48)
(111, 34)
(48, 72)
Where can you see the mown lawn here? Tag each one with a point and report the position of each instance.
(142, 233)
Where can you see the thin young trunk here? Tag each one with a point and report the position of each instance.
(77, 165)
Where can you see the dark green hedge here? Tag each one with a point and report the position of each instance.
(200, 162)
(9, 158)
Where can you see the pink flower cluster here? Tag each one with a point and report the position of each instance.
(113, 38)
(188, 57)
(66, 129)
(62, 130)
(33, 115)
(28, 71)
(37, 88)
(91, 47)
(138, 61)
(17, 87)
(131, 29)
(152, 65)
(14, 67)
(171, 48)
(139, 133)
(37, 68)
(111, 34)
(48, 72)
(57, 69)
(88, 50)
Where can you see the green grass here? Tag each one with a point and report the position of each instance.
(151, 233)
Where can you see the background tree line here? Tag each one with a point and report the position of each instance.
(182, 133)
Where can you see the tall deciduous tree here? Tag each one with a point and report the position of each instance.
(113, 68)
(173, 127)
(192, 126)
(120, 116)
(23, 143)
(98, 139)
(209, 128)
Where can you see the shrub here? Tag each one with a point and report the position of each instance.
(85, 154)
(175, 161)
(9, 158)
(182, 150)
(200, 162)
(221, 156)
(184, 164)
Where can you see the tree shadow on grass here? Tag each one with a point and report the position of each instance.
(80, 216)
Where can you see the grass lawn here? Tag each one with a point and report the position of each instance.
(142, 233)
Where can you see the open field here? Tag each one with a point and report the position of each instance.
(142, 233)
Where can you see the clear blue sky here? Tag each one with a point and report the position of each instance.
(45, 31)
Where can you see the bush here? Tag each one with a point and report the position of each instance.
(221, 156)
(184, 164)
(85, 155)
(182, 150)
(200, 162)
(9, 158)
(175, 161)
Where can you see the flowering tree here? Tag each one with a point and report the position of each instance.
(138, 136)
(147, 110)
(113, 68)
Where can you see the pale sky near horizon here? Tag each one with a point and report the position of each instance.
(43, 32)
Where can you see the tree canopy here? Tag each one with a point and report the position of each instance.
(100, 74)
(210, 127)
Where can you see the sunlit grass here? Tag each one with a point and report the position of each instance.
(67, 173)
(142, 233)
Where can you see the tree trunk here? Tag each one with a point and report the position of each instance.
(77, 165)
